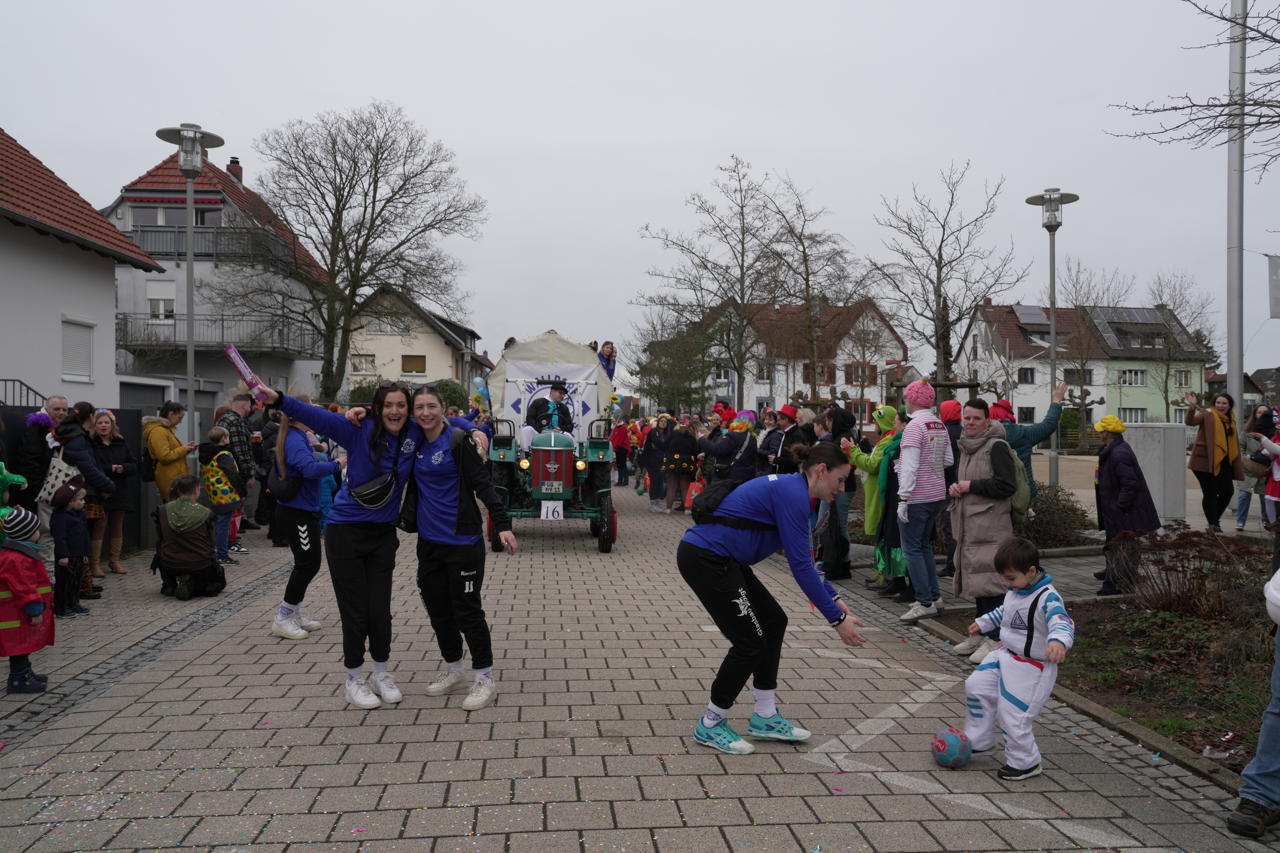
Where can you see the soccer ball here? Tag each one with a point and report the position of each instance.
(951, 749)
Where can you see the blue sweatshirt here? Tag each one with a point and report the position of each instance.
(361, 466)
(781, 500)
(438, 479)
(300, 461)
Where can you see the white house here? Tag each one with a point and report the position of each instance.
(58, 261)
(1007, 353)
(250, 272)
(398, 339)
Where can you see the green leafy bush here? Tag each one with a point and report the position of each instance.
(1057, 519)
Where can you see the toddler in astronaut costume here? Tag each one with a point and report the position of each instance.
(1011, 684)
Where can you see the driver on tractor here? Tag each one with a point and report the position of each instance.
(551, 412)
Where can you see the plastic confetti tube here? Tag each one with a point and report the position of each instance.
(242, 367)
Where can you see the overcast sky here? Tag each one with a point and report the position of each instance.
(579, 122)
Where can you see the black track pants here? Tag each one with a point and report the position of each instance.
(745, 612)
(361, 560)
(449, 578)
(303, 531)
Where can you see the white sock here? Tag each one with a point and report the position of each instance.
(287, 609)
(456, 666)
(356, 674)
(380, 666)
(485, 674)
(766, 703)
(714, 715)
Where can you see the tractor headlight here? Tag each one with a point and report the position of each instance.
(581, 465)
(524, 464)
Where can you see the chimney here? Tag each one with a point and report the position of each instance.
(234, 170)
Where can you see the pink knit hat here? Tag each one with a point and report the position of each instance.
(920, 393)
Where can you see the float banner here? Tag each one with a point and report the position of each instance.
(526, 381)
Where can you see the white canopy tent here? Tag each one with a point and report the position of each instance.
(527, 368)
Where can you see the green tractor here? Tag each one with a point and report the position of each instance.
(557, 478)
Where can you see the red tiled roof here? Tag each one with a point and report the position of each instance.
(781, 328)
(31, 194)
(165, 176)
(1008, 336)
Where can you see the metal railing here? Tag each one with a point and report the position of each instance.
(217, 243)
(15, 392)
(251, 334)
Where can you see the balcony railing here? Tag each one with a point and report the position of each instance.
(251, 334)
(218, 243)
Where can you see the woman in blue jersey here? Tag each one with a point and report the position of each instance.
(449, 476)
(361, 538)
(298, 518)
(753, 521)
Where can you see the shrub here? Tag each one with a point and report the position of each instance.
(361, 393)
(1058, 519)
(1195, 574)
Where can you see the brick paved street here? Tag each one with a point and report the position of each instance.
(186, 726)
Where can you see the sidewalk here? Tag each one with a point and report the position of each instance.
(231, 739)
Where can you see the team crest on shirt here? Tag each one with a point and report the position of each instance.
(408, 445)
(437, 457)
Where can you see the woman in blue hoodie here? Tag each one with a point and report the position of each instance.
(361, 538)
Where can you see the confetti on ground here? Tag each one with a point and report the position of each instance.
(360, 829)
(838, 790)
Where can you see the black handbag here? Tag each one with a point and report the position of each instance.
(282, 488)
(374, 494)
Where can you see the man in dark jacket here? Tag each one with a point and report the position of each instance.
(1125, 508)
(550, 412)
(792, 434)
(236, 425)
(35, 449)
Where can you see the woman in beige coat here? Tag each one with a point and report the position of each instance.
(1215, 456)
(980, 515)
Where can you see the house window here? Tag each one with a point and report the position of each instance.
(143, 216)
(1133, 416)
(388, 325)
(1076, 376)
(826, 373)
(413, 364)
(211, 218)
(175, 216)
(1026, 414)
(160, 296)
(1133, 377)
(1026, 376)
(77, 350)
(860, 373)
(721, 374)
(362, 364)
(1182, 378)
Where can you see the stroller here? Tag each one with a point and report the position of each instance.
(186, 562)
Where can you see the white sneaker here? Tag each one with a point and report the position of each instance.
(288, 628)
(939, 606)
(917, 612)
(359, 694)
(385, 686)
(308, 624)
(482, 693)
(987, 647)
(450, 682)
(967, 645)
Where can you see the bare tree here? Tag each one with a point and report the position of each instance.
(670, 364)
(1187, 304)
(938, 270)
(371, 196)
(1210, 120)
(865, 345)
(725, 274)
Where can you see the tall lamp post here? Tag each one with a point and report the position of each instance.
(191, 141)
(1050, 203)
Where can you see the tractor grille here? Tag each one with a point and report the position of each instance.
(552, 470)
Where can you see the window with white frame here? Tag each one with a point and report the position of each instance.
(1132, 377)
(1182, 378)
(362, 364)
(1133, 416)
(160, 300)
(1026, 376)
(722, 374)
(1026, 414)
(1076, 376)
(77, 350)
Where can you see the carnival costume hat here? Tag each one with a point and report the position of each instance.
(1002, 410)
(1110, 424)
(884, 416)
(67, 492)
(949, 411)
(789, 411)
(920, 393)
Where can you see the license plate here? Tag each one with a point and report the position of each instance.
(552, 486)
(552, 511)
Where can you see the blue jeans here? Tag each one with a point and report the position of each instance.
(1262, 776)
(917, 549)
(222, 535)
(1243, 499)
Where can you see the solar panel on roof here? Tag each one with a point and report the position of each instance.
(1031, 314)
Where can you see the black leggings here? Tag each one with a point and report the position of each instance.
(745, 612)
(1216, 491)
(361, 559)
(303, 529)
(449, 578)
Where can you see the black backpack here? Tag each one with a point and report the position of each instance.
(707, 501)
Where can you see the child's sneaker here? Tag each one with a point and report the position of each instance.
(80, 611)
(25, 682)
(1013, 774)
(776, 727)
(721, 737)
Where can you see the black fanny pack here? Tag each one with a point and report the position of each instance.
(375, 493)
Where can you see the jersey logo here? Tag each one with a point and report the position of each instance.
(408, 445)
(437, 457)
(1018, 623)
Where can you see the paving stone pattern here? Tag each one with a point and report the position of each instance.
(193, 729)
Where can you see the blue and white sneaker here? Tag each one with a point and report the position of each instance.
(721, 737)
(776, 727)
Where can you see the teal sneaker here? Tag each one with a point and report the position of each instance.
(776, 727)
(721, 737)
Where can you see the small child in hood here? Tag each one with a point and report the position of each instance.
(328, 485)
(23, 577)
(223, 487)
(70, 534)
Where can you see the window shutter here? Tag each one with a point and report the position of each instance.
(806, 373)
(77, 349)
(871, 374)
(848, 374)
(830, 373)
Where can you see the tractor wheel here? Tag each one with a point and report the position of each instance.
(595, 528)
(494, 542)
(608, 525)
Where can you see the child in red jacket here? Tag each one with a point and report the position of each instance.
(26, 626)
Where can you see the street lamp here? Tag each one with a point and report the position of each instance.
(1050, 203)
(191, 142)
